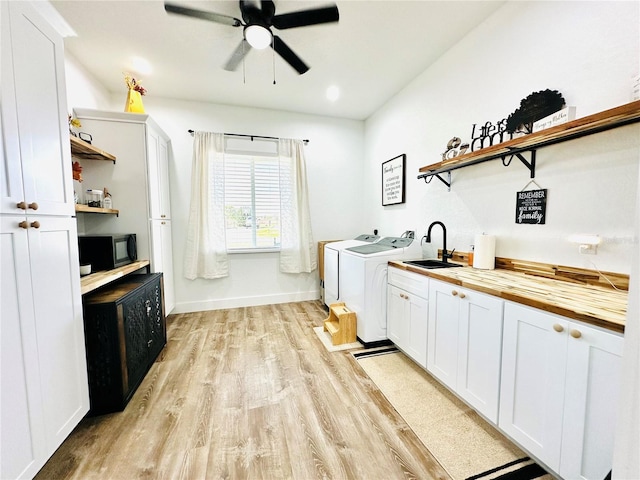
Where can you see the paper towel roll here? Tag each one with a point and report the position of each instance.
(484, 253)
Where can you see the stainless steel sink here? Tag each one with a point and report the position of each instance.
(431, 264)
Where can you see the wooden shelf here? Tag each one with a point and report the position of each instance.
(599, 122)
(86, 151)
(86, 209)
(92, 282)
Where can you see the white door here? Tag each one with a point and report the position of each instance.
(442, 338)
(158, 166)
(397, 324)
(416, 315)
(480, 351)
(22, 418)
(532, 384)
(162, 259)
(593, 382)
(55, 272)
(37, 155)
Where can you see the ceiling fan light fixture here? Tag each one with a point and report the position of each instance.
(258, 36)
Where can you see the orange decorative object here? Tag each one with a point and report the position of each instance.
(76, 168)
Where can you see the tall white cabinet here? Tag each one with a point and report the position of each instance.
(43, 389)
(138, 182)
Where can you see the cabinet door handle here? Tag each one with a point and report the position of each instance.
(163, 216)
(454, 292)
(23, 224)
(462, 295)
(35, 224)
(163, 223)
(558, 328)
(21, 205)
(33, 206)
(575, 333)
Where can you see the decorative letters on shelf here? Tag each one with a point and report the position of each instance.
(393, 176)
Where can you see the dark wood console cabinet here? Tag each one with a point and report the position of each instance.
(125, 331)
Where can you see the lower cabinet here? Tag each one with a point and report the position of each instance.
(407, 313)
(43, 389)
(559, 392)
(464, 344)
(125, 331)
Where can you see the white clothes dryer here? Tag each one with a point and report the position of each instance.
(332, 268)
(363, 285)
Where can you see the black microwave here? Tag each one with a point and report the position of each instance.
(106, 252)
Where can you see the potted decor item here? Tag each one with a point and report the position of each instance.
(134, 95)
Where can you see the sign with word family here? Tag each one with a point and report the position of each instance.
(531, 206)
(393, 181)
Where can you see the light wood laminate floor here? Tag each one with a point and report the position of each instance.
(248, 393)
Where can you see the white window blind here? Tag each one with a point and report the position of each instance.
(252, 195)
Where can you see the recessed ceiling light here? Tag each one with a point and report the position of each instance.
(333, 93)
(141, 66)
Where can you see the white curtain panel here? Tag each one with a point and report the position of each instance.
(298, 253)
(206, 252)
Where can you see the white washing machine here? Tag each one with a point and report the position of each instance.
(363, 284)
(332, 268)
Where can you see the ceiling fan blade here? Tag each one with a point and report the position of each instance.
(238, 54)
(268, 8)
(212, 17)
(306, 17)
(287, 54)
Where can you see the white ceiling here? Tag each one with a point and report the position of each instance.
(374, 51)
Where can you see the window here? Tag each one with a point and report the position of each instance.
(251, 195)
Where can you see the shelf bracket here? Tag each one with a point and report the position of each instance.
(429, 176)
(530, 164)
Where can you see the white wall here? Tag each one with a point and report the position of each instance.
(586, 50)
(334, 165)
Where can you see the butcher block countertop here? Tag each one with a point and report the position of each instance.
(596, 305)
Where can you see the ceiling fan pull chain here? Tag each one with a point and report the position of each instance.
(273, 51)
(244, 72)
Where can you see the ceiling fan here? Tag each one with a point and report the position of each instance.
(257, 23)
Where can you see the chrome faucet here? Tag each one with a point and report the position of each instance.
(445, 254)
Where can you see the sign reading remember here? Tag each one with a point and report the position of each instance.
(531, 206)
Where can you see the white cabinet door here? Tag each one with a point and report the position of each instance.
(55, 277)
(37, 156)
(407, 323)
(23, 440)
(158, 165)
(480, 351)
(162, 259)
(442, 355)
(532, 386)
(44, 376)
(397, 326)
(590, 412)
(416, 315)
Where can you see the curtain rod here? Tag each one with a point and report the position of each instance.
(191, 132)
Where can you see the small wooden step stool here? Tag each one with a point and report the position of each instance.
(341, 324)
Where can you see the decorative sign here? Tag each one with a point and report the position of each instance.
(531, 206)
(393, 174)
(486, 135)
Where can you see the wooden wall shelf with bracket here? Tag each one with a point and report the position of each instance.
(83, 150)
(599, 122)
(86, 209)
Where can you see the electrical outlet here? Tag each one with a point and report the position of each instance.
(588, 249)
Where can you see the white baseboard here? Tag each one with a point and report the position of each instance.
(187, 307)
